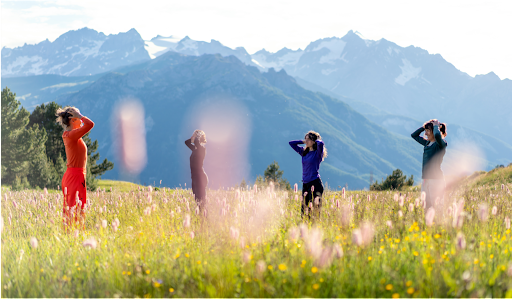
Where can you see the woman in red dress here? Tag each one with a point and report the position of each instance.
(73, 183)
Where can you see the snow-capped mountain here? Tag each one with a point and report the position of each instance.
(75, 53)
(159, 45)
(401, 81)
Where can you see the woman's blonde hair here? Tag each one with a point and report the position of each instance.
(315, 136)
(201, 135)
(64, 117)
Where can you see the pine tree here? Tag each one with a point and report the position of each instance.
(274, 174)
(22, 147)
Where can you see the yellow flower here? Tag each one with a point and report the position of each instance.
(316, 286)
(186, 255)
(395, 295)
(177, 256)
(321, 280)
(199, 262)
(389, 287)
(423, 233)
(129, 273)
(124, 272)
(156, 284)
(492, 256)
(369, 258)
(410, 291)
(270, 267)
(314, 269)
(415, 253)
(147, 271)
(476, 261)
(42, 270)
(171, 290)
(408, 283)
(282, 267)
(437, 236)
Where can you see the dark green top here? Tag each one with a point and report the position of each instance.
(432, 155)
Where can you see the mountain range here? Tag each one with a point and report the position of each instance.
(392, 89)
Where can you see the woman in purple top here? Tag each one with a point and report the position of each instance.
(312, 155)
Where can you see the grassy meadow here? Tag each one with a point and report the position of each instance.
(140, 242)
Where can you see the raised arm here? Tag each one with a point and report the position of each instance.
(319, 147)
(439, 138)
(188, 142)
(416, 136)
(80, 132)
(294, 145)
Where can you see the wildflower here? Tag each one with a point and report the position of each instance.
(294, 234)
(104, 223)
(494, 211)
(33, 242)
(395, 197)
(417, 202)
(295, 188)
(314, 269)
(186, 221)
(91, 243)
(401, 201)
(410, 291)
(429, 217)
(507, 223)
(316, 286)
(346, 215)
(338, 251)
(260, 266)
(400, 214)
(76, 233)
(389, 287)
(423, 196)
(411, 207)
(502, 187)
(282, 267)
(314, 242)
(483, 212)
(461, 241)
(192, 235)
(234, 232)
(389, 223)
(343, 192)
(466, 276)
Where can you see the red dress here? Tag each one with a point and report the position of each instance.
(73, 181)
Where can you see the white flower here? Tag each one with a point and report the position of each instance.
(33, 242)
(91, 243)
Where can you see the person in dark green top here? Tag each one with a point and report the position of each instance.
(434, 148)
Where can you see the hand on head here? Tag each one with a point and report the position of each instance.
(75, 113)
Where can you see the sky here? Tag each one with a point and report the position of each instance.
(475, 36)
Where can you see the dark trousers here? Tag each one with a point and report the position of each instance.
(199, 183)
(318, 191)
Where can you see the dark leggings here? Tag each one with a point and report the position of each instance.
(199, 183)
(318, 190)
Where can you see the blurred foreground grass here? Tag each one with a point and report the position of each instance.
(149, 243)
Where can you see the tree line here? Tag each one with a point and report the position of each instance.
(33, 153)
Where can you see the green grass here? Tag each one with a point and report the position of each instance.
(152, 253)
(119, 186)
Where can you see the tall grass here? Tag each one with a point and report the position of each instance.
(255, 244)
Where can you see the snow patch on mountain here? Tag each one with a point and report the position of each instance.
(335, 47)
(408, 72)
(36, 62)
(326, 72)
(278, 60)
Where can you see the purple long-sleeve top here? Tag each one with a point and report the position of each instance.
(311, 161)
